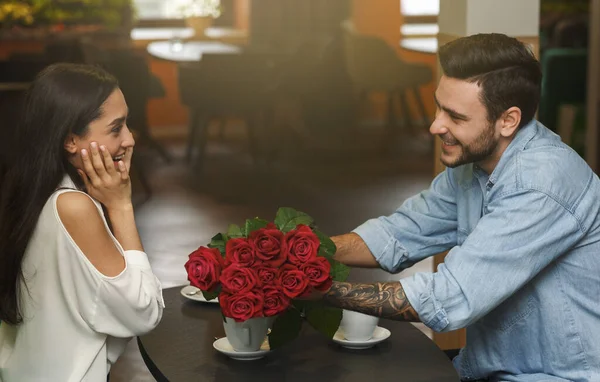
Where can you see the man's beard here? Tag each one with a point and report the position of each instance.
(483, 146)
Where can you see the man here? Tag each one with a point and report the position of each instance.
(519, 211)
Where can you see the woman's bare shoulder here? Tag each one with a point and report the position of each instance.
(82, 220)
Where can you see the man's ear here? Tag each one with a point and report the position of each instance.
(510, 121)
(71, 144)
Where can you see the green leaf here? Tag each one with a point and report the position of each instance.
(288, 218)
(218, 241)
(210, 295)
(325, 319)
(302, 305)
(327, 247)
(234, 231)
(286, 328)
(339, 271)
(254, 224)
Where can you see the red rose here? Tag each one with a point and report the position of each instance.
(270, 246)
(317, 272)
(302, 244)
(267, 275)
(238, 279)
(204, 268)
(242, 306)
(293, 281)
(275, 301)
(239, 251)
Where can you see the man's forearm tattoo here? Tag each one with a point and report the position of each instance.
(386, 300)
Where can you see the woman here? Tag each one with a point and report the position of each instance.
(72, 293)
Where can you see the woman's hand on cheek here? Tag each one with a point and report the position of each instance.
(127, 158)
(103, 182)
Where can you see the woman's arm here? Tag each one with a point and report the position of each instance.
(83, 222)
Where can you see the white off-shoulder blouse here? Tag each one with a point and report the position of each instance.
(76, 321)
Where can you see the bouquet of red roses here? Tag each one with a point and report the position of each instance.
(259, 269)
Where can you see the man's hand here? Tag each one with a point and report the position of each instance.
(353, 251)
(386, 300)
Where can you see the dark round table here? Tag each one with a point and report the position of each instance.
(180, 349)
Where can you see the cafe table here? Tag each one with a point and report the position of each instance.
(181, 349)
(188, 51)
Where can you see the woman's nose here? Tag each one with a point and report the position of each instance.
(129, 140)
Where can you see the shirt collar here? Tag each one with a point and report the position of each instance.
(524, 135)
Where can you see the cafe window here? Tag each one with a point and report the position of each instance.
(420, 11)
(420, 7)
(171, 10)
(152, 9)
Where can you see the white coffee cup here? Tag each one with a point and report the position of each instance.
(358, 326)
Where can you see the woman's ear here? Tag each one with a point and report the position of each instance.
(71, 144)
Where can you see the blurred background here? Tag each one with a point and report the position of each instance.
(242, 106)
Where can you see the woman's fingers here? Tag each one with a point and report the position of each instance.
(97, 160)
(108, 161)
(123, 170)
(90, 172)
(85, 179)
(127, 158)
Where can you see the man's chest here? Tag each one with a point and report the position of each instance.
(472, 205)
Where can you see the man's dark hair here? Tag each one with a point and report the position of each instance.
(505, 69)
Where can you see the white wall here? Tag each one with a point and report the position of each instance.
(452, 19)
(511, 17)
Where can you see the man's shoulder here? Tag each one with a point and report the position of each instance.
(548, 165)
(546, 158)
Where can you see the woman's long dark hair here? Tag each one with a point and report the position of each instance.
(63, 99)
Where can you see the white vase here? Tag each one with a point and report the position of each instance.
(199, 24)
(247, 336)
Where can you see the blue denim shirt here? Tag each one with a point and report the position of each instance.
(523, 270)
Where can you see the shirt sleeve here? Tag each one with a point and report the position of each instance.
(123, 306)
(521, 234)
(131, 303)
(126, 305)
(423, 226)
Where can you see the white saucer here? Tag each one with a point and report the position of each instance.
(222, 345)
(379, 335)
(198, 296)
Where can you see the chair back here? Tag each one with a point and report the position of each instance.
(227, 83)
(371, 62)
(564, 81)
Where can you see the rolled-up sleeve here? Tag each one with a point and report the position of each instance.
(123, 306)
(522, 233)
(131, 303)
(423, 226)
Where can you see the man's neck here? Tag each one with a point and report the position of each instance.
(489, 164)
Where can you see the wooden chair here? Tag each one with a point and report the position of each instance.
(220, 86)
(374, 66)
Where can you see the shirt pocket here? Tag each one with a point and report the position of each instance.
(511, 312)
